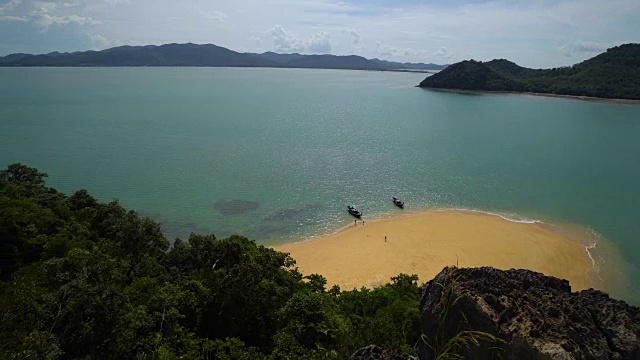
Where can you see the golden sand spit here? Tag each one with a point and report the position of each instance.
(424, 243)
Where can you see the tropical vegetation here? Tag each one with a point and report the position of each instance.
(614, 74)
(82, 279)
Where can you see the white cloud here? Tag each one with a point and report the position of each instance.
(395, 52)
(12, 4)
(443, 52)
(356, 37)
(215, 16)
(413, 52)
(256, 39)
(285, 41)
(386, 50)
(488, 29)
(46, 20)
(569, 49)
(101, 42)
(319, 43)
(47, 14)
(12, 18)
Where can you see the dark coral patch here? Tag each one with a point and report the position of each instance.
(236, 207)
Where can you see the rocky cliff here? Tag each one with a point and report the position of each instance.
(521, 314)
(485, 313)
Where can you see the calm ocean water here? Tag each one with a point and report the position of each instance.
(276, 154)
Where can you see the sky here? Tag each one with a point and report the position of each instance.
(537, 33)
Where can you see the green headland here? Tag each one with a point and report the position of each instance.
(614, 74)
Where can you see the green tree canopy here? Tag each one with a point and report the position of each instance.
(81, 279)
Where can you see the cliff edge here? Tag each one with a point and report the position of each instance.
(529, 315)
(485, 313)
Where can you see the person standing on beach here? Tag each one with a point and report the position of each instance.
(385, 238)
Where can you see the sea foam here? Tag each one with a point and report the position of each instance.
(508, 217)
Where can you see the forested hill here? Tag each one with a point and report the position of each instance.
(204, 55)
(614, 74)
(81, 279)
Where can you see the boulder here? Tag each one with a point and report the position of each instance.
(485, 313)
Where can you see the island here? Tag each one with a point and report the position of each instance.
(614, 74)
(207, 55)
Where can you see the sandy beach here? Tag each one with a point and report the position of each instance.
(424, 243)
(571, 97)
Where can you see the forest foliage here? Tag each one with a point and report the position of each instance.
(204, 55)
(614, 74)
(81, 279)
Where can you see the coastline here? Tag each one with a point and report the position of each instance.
(425, 242)
(572, 97)
(416, 71)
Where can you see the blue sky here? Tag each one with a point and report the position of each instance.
(538, 33)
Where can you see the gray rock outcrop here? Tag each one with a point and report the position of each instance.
(520, 314)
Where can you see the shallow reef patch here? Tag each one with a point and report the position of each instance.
(236, 207)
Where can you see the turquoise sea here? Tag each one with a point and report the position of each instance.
(277, 154)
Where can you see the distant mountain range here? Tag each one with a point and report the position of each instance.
(205, 55)
(614, 74)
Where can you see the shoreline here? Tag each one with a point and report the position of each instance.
(572, 97)
(424, 242)
(416, 71)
